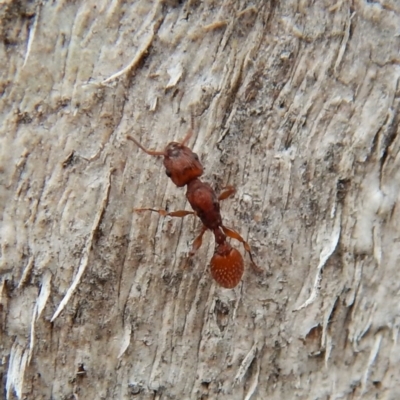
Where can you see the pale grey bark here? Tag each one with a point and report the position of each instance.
(295, 103)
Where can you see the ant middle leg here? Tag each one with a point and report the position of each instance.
(165, 213)
(195, 246)
(227, 192)
(235, 235)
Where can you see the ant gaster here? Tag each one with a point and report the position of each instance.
(184, 168)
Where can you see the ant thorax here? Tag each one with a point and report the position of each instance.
(204, 202)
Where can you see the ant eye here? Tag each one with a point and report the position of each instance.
(196, 157)
(168, 173)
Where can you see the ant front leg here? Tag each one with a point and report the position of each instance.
(165, 213)
(227, 192)
(235, 235)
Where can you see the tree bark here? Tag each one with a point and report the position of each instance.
(295, 103)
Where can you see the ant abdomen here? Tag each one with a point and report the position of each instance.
(227, 266)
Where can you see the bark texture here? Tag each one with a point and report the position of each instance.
(295, 102)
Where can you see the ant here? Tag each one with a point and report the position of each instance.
(183, 166)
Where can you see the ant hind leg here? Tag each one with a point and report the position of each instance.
(235, 235)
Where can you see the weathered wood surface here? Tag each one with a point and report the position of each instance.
(295, 103)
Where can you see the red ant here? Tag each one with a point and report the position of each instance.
(184, 168)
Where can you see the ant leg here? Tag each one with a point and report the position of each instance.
(227, 192)
(197, 242)
(150, 152)
(235, 235)
(164, 213)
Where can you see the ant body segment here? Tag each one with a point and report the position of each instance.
(184, 168)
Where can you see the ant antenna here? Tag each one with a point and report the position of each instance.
(150, 152)
(190, 131)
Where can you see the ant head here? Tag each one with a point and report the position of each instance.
(227, 266)
(181, 164)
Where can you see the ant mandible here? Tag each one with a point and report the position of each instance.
(184, 168)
